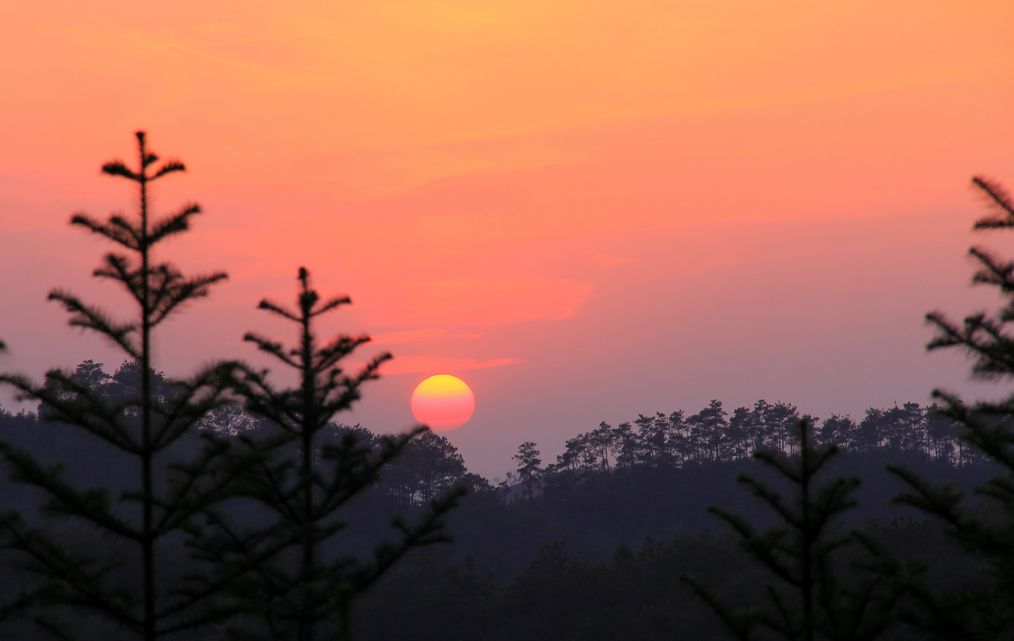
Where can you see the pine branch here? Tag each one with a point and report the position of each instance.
(56, 628)
(773, 499)
(327, 356)
(19, 604)
(937, 617)
(116, 230)
(940, 501)
(118, 168)
(280, 310)
(254, 549)
(88, 317)
(428, 531)
(187, 497)
(832, 500)
(26, 600)
(271, 347)
(784, 625)
(194, 399)
(994, 272)
(949, 335)
(780, 463)
(998, 199)
(168, 168)
(89, 505)
(762, 546)
(174, 224)
(195, 488)
(209, 616)
(73, 581)
(118, 268)
(178, 290)
(263, 399)
(741, 624)
(341, 391)
(330, 304)
(65, 401)
(994, 355)
(354, 471)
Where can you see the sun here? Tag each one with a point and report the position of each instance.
(443, 402)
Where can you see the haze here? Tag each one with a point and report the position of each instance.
(576, 212)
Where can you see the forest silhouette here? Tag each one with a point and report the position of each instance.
(225, 506)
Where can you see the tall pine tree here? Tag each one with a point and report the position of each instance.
(142, 432)
(813, 594)
(304, 583)
(985, 530)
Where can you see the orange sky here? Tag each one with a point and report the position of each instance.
(585, 209)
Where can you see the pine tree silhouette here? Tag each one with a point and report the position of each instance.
(307, 471)
(529, 467)
(10, 607)
(987, 530)
(812, 596)
(142, 429)
(529, 461)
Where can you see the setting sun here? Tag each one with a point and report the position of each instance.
(443, 402)
(676, 246)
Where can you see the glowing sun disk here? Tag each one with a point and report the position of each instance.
(443, 402)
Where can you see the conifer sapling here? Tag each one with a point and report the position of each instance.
(147, 429)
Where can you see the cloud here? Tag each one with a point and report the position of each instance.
(425, 335)
(434, 364)
(422, 335)
(485, 302)
(610, 261)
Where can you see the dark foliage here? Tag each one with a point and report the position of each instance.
(670, 440)
(809, 594)
(144, 426)
(629, 592)
(985, 529)
(15, 605)
(529, 472)
(297, 581)
(490, 583)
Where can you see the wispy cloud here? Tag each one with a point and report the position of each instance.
(486, 302)
(423, 335)
(427, 364)
(611, 261)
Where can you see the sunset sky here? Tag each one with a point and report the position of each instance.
(584, 209)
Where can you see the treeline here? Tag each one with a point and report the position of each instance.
(668, 493)
(430, 465)
(427, 467)
(713, 434)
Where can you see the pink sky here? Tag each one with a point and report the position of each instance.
(584, 209)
